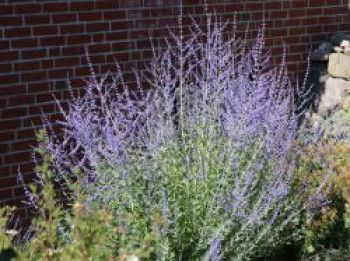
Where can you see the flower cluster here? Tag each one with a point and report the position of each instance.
(204, 157)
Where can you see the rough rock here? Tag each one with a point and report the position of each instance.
(338, 38)
(321, 53)
(345, 44)
(338, 49)
(335, 92)
(339, 65)
(346, 104)
(347, 50)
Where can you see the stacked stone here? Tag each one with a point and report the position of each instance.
(334, 82)
(330, 77)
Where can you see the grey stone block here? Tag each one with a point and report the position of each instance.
(339, 65)
(334, 94)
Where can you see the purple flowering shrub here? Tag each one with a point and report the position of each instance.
(203, 161)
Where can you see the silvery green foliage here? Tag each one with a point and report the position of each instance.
(208, 147)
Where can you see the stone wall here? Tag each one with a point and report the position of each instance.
(330, 77)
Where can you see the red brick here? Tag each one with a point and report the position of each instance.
(272, 5)
(11, 20)
(123, 46)
(5, 68)
(25, 134)
(139, 13)
(12, 90)
(4, 170)
(4, 149)
(95, 59)
(119, 57)
(334, 2)
(9, 124)
(38, 109)
(33, 76)
(21, 100)
(27, 66)
(299, 4)
(47, 64)
(8, 182)
(106, 4)
(78, 39)
(25, 43)
(253, 6)
(98, 37)
(23, 146)
(131, 4)
(317, 2)
(99, 48)
(143, 44)
(62, 74)
(44, 97)
(6, 9)
(278, 14)
(17, 32)
(52, 53)
(8, 79)
(67, 62)
(154, 3)
(17, 158)
(150, 23)
(117, 36)
(297, 13)
(330, 28)
(27, 8)
(90, 16)
(38, 87)
(82, 71)
(314, 29)
(97, 27)
(330, 10)
(297, 49)
(297, 30)
(56, 7)
(114, 15)
(314, 12)
(64, 18)
(6, 193)
(75, 50)
(293, 40)
(72, 29)
(82, 6)
(33, 54)
(161, 12)
(9, 56)
(292, 22)
(45, 30)
(122, 25)
(4, 45)
(52, 41)
(13, 113)
(310, 21)
(37, 19)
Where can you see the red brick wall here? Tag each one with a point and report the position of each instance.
(42, 43)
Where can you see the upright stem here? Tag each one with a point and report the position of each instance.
(181, 71)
